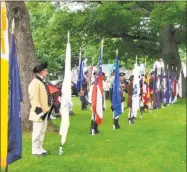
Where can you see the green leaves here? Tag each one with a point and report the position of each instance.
(132, 27)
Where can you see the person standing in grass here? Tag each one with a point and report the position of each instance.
(41, 103)
(151, 90)
(122, 88)
(116, 119)
(84, 92)
(129, 103)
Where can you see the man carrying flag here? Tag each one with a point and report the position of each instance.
(136, 91)
(97, 96)
(116, 96)
(81, 84)
(66, 97)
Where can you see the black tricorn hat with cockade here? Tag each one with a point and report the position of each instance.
(39, 67)
(122, 74)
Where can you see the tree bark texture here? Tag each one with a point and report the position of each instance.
(25, 52)
(170, 53)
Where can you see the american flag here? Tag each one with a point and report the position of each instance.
(97, 93)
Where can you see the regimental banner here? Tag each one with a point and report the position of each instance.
(4, 85)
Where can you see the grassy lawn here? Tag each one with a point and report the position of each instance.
(157, 143)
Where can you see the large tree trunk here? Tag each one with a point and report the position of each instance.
(25, 51)
(170, 53)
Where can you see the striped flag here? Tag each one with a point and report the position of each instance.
(4, 86)
(97, 93)
(66, 95)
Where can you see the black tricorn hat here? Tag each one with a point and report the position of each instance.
(95, 72)
(39, 67)
(122, 74)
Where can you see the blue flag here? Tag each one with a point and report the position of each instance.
(116, 96)
(80, 77)
(15, 98)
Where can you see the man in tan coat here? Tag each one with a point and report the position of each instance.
(41, 102)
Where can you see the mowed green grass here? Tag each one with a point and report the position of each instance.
(156, 143)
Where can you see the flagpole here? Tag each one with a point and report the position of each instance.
(114, 127)
(80, 56)
(6, 169)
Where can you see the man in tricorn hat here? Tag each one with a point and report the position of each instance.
(116, 119)
(41, 103)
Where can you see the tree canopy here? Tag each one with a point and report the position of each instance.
(132, 27)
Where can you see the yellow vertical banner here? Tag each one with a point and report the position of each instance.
(4, 86)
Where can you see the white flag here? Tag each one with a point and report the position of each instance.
(180, 84)
(66, 103)
(136, 91)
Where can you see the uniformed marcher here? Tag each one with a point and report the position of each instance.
(84, 92)
(122, 88)
(151, 90)
(94, 126)
(129, 103)
(41, 102)
(116, 119)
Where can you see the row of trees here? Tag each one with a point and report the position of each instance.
(148, 29)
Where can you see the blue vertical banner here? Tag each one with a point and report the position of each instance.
(15, 99)
(116, 96)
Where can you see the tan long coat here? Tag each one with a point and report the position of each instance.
(39, 100)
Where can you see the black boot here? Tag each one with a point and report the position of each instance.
(71, 113)
(134, 118)
(130, 120)
(117, 124)
(91, 127)
(96, 128)
(114, 123)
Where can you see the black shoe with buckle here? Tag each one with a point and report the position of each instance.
(44, 153)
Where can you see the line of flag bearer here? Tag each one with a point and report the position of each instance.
(144, 93)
